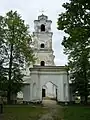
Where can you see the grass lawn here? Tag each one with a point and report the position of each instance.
(23, 112)
(76, 113)
(29, 112)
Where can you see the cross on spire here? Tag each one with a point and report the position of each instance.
(42, 11)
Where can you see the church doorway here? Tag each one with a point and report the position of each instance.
(49, 91)
(44, 91)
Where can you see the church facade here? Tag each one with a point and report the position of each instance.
(44, 69)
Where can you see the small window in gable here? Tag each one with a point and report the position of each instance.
(42, 27)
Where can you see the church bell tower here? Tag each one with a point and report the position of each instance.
(42, 41)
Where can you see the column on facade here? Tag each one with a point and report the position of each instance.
(31, 87)
(66, 88)
(61, 88)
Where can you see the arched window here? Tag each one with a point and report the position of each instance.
(42, 63)
(42, 27)
(42, 45)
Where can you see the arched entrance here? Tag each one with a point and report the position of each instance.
(49, 91)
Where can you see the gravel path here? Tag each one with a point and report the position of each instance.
(53, 113)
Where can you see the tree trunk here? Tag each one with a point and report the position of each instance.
(9, 96)
(86, 88)
(86, 98)
(85, 83)
(82, 99)
(9, 81)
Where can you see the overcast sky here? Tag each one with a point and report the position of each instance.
(30, 9)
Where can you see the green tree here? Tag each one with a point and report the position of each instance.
(3, 75)
(75, 22)
(17, 49)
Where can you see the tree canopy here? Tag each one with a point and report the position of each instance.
(75, 21)
(15, 50)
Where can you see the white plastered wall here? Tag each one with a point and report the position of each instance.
(40, 78)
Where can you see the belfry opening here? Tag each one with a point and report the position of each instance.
(42, 27)
(42, 45)
(42, 63)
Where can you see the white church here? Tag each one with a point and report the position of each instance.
(44, 71)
